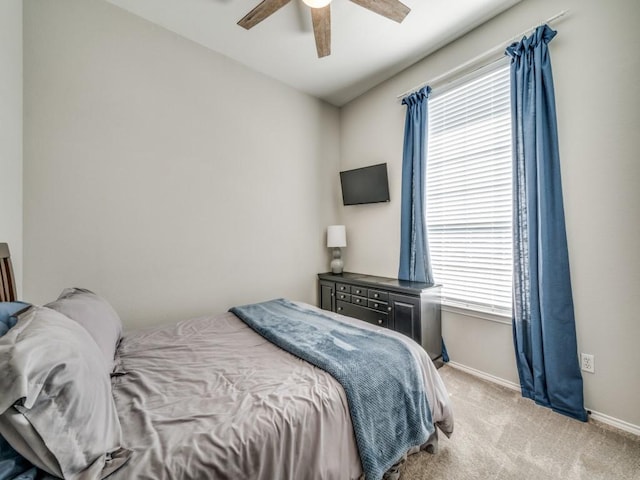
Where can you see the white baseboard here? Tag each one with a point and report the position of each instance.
(614, 422)
(485, 376)
(600, 417)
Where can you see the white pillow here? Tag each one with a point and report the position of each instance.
(54, 386)
(96, 315)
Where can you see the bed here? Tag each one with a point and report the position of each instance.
(208, 397)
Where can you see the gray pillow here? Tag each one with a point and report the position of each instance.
(96, 315)
(55, 397)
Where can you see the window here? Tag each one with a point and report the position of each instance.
(469, 191)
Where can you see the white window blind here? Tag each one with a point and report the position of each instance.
(469, 192)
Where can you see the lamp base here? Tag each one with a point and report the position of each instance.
(337, 264)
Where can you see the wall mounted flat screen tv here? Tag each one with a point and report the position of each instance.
(365, 185)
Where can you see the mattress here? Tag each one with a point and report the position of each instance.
(210, 398)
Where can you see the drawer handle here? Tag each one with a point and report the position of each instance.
(339, 308)
(380, 321)
(375, 305)
(375, 295)
(389, 309)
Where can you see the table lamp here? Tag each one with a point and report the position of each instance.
(336, 238)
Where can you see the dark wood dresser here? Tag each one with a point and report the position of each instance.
(411, 308)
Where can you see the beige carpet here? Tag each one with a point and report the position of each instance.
(500, 435)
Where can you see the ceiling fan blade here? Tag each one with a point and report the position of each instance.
(321, 18)
(392, 9)
(260, 12)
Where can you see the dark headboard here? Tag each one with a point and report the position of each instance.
(7, 281)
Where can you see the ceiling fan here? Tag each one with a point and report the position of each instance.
(321, 16)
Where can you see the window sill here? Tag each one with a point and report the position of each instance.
(469, 312)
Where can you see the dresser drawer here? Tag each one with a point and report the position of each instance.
(378, 295)
(359, 300)
(343, 287)
(359, 291)
(345, 297)
(378, 305)
(371, 316)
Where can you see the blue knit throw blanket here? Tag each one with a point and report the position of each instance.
(382, 380)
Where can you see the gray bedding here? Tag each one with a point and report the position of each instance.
(210, 398)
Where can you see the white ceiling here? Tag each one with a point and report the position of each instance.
(366, 48)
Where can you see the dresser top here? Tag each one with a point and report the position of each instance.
(373, 281)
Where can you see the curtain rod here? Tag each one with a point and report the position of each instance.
(483, 56)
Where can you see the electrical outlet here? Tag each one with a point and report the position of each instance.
(587, 362)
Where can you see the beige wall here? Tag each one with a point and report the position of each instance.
(11, 131)
(168, 178)
(596, 70)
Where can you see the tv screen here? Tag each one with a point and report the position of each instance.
(365, 185)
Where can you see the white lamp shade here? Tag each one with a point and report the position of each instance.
(317, 3)
(336, 236)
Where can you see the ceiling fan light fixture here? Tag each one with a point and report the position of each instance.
(321, 16)
(317, 3)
